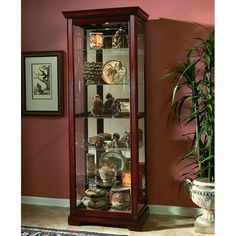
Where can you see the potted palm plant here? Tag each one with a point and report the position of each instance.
(194, 90)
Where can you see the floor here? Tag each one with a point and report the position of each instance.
(159, 225)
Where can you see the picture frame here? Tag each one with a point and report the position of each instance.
(43, 83)
(124, 106)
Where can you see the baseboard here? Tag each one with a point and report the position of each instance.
(174, 210)
(45, 201)
(154, 209)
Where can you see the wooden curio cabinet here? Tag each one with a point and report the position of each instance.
(106, 69)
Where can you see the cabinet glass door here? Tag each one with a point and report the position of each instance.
(102, 117)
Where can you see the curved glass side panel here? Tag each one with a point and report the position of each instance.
(141, 110)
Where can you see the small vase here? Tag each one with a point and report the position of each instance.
(106, 174)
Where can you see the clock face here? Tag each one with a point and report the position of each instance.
(114, 159)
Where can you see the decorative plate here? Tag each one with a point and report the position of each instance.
(113, 72)
(115, 159)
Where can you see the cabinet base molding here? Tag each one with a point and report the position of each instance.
(153, 209)
(131, 224)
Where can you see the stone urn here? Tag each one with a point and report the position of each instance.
(202, 194)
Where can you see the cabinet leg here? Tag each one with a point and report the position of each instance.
(73, 221)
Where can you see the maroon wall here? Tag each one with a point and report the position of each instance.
(167, 43)
(45, 140)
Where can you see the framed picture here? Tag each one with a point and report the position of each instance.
(124, 106)
(42, 83)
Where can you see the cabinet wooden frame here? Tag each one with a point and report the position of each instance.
(138, 214)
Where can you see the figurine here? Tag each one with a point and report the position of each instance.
(117, 38)
(97, 105)
(112, 106)
(116, 109)
(99, 143)
(108, 104)
(121, 38)
(115, 143)
(126, 139)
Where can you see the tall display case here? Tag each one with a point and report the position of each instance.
(106, 69)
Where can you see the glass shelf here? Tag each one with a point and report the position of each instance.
(117, 51)
(103, 83)
(87, 147)
(88, 115)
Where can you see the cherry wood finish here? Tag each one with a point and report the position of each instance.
(134, 219)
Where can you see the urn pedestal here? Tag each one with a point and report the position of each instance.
(203, 195)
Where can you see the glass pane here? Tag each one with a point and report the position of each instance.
(102, 121)
(141, 109)
(140, 52)
(142, 163)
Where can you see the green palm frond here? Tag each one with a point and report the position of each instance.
(193, 90)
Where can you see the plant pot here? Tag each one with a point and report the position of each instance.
(202, 194)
